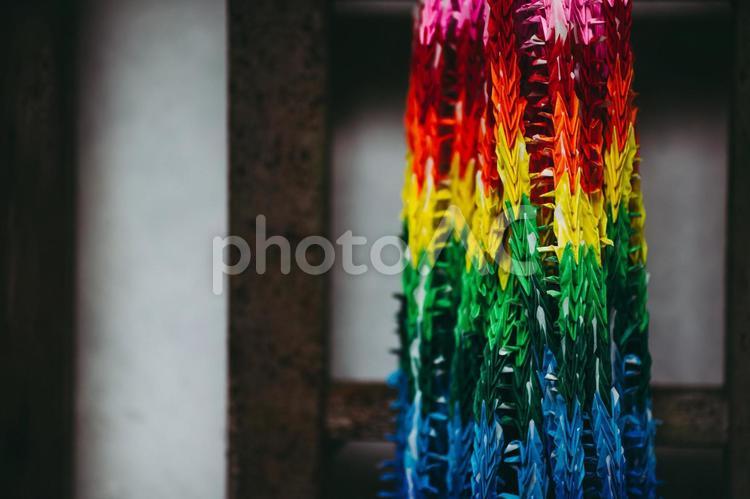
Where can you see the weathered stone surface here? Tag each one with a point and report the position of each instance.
(277, 57)
(277, 114)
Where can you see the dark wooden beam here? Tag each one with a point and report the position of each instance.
(277, 337)
(691, 417)
(738, 265)
(37, 240)
(359, 412)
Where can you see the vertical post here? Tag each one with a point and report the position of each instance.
(278, 139)
(738, 272)
(36, 250)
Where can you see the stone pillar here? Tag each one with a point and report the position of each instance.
(278, 140)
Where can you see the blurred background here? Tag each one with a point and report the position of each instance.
(114, 361)
(152, 193)
(115, 150)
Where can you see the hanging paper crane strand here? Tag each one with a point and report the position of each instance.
(523, 366)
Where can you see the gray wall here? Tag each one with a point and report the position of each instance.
(151, 402)
(370, 64)
(684, 85)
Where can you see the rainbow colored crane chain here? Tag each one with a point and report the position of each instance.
(524, 367)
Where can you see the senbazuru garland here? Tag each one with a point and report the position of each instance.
(523, 367)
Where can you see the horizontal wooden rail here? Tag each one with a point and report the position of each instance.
(691, 417)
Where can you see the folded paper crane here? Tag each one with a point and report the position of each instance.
(524, 366)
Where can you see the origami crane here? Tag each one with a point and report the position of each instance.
(524, 366)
